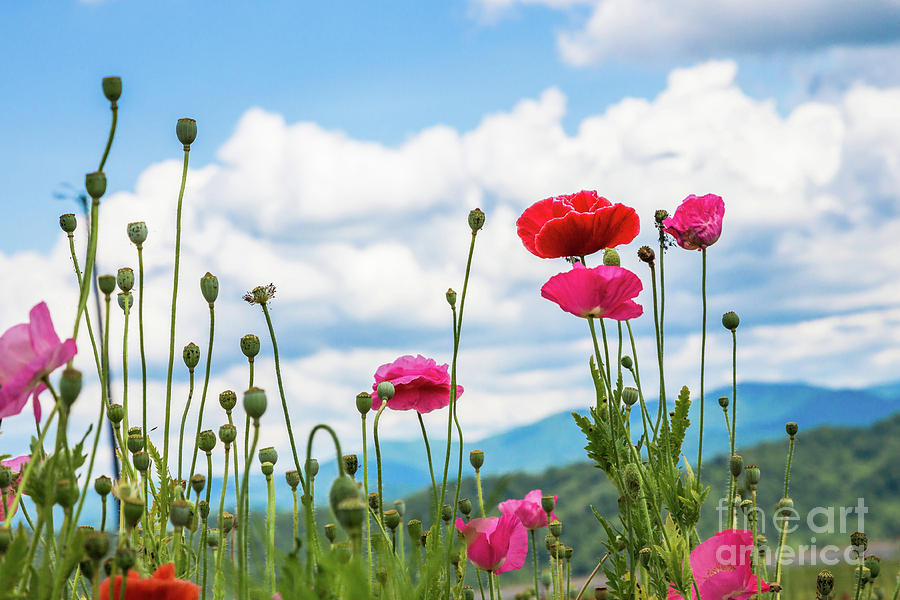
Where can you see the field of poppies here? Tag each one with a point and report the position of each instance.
(173, 538)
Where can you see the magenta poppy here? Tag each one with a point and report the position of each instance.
(721, 568)
(576, 225)
(420, 384)
(604, 292)
(28, 353)
(497, 544)
(529, 510)
(17, 465)
(697, 222)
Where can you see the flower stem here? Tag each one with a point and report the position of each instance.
(187, 408)
(365, 449)
(434, 491)
(140, 253)
(243, 515)
(480, 494)
(112, 133)
(270, 533)
(702, 367)
(212, 332)
(378, 463)
(534, 557)
(587, 581)
(219, 583)
(88, 267)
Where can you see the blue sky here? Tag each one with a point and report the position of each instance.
(342, 144)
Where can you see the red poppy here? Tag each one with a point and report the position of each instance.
(162, 586)
(576, 225)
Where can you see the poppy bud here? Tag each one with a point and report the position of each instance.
(112, 88)
(645, 554)
(350, 514)
(70, 385)
(400, 507)
(611, 258)
(862, 574)
(363, 402)
(227, 522)
(141, 461)
(469, 593)
(227, 400)
(66, 493)
(125, 300)
(268, 455)
(330, 532)
(267, 469)
(207, 440)
(555, 528)
(116, 413)
(212, 538)
(629, 396)
(730, 320)
(451, 295)
(860, 540)
(351, 464)
(476, 219)
(255, 402)
(107, 284)
(446, 513)
(132, 510)
(341, 489)
(391, 519)
(6, 477)
(198, 482)
(550, 543)
(414, 528)
(191, 355)
(203, 508)
(125, 279)
(312, 466)
(465, 506)
(646, 254)
(751, 476)
(873, 563)
(824, 583)
(385, 391)
(227, 433)
(137, 233)
(784, 507)
(293, 479)
(96, 545)
(736, 464)
(103, 485)
(660, 216)
(135, 442)
(627, 362)
(68, 222)
(791, 428)
(373, 500)
(95, 184)
(250, 345)
(125, 558)
(476, 459)
(186, 130)
(548, 503)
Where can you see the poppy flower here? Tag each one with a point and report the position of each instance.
(603, 292)
(28, 353)
(419, 384)
(697, 222)
(497, 544)
(576, 225)
(529, 510)
(722, 569)
(18, 465)
(161, 586)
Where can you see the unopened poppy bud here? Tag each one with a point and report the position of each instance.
(469, 593)
(207, 440)
(66, 493)
(191, 355)
(751, 475)
(135, 442)
(198, 482)
(414, 528)
(873, 563)
(203, 509)
(267, 468)
(125, 279)
(70, 385)
(611, 258)
(181, 513)
(451, 295)
(736, 465)
(476, 219)
(550, 542)
(342, 489)
(446, 513)
(791, 428)
(116, 413)
(465, 506)
(125, 558)
(95, 184)
(107, 284)
(126, 301)
(212, 538)
(476, 459)
(730, 320)
(627, 362)
(227, 433)
(137, 233)
(228, 521)
(351, 464)
(103, 485)
(6, 477)
(312, 467)
(350, 514)
(5, 538)
(292, 478)
(646, 254)
(555, 528)
(859, 540)
(400, 507)
(141, 461)
(385, 391)
(268, 455)
(255, 402)
(548, 503)
(227, 400)
(186, 130)
(96, 545)
(373, 501)
(68, 222)
(330, 532)
(132, 510)
(112, 88)
(629, 396)
(824, 583)
(391, 519)
(250, 345)
(363, 402)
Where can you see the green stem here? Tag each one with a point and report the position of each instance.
(702, 368)
(434, 492)
(244, 514)
(490, 577)
(755, 554)
(378, 463)
(112, 132)
(365, 450)
(787, 470)
(140, 253)
(534, 557)
(88, 266)
(270, 533)
(212, 331)
(125, 363)
(219, 583)
(587, 581)
(187, 408)
(480, 494)
(35, 455)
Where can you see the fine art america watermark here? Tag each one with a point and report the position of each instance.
(784, 521)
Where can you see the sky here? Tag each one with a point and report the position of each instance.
(341, 146)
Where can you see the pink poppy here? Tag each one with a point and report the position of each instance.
(28, 353)
(576, 225)
(497, 544)
(697, 222)
(602, 291)
(722, 569)
(419, 384)
(18, 465)
(529, 510)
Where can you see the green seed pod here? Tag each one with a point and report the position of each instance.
(341, 489)
(68, 222)
(331, 532)
(791, 428)
(736, 464)
(6, 477)
(191, 356)
(343, 552)
(568, 551)
(96, 544)
(312, 467)
(268, 455)
(627, 363)
(784, 507)
(550, 543)
(363, 402)
(446, 513)
(751, 476)
(293, 479)
(414, 528)
(103, 485)
(181, 513)
(469, 593)
(186, 130)
(66, 493)
(476, 219)
(611, 258)
(863, 574)
(555, 528)
(209, 287)
(400, 507)
(451, 297)
(141, 461)
(228, 521)
(70, 385)
(476, 459)
(212, 537)
(350, 514)
(373, 500)
(198, 483)
(126, 301)
(133, 510)
(730, 320)
(548, 503)
(860, 540)
(601, 593)
(227, 433)
(385, 391)
(629, 396)
(873, 563)
(125, 558)
(125, 279)
(723, 401)
(255, 402)
(465, 506)
(112, 88)
(137, 233)
(645, 554)
(351, 464)
(135, 442)
(95, 184)
(250, 345)
(227, 400)
(824, 583)
(107, 284)
(392, 518)
(660, 216)
(203, 509)
(267, 469)
(207, 440)
(646, 254)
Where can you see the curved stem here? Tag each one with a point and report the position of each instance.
(88, 266)
(187, 408)
(587, 581)
(434, 492)
(310, 518)
(212, 331)
(112, 133)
